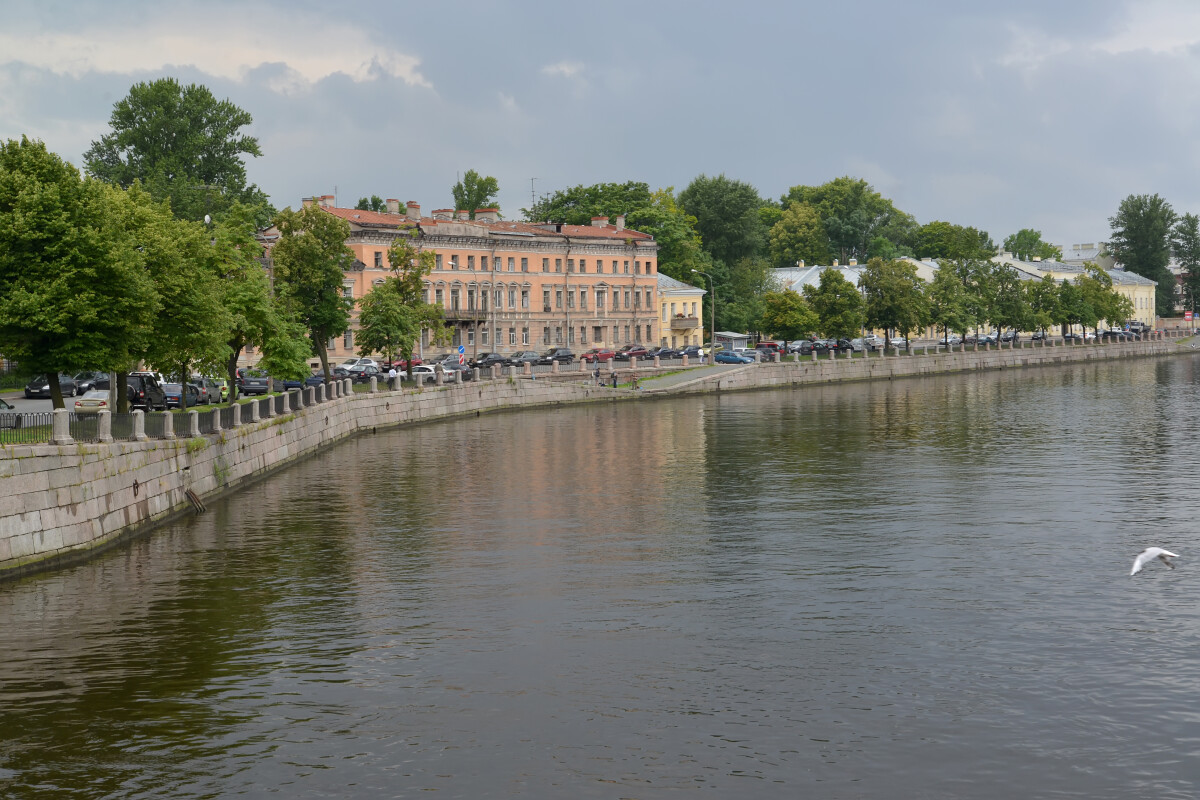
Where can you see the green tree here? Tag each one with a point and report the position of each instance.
(184, 145)
(838, 305)
(1044, 302)
(577, 205)
(799, 235)
(742, 288)
(895, 297)
(949, 305)
(74, 292)
(788, 315)
(474, 192)
(853, 214)
(1010, 304)
(1073, 308)
(1185, 241)
(1141, 242)
(1096, 287)
(397, 318)
(310, 258)
(978, 277)
(727, 217)
(375, 203)
(1026, 244)
(679, 247)
(944, 240)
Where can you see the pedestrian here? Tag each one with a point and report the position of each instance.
(392, 375)
(596, 375)
(614, 379)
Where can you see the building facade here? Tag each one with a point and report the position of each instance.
(681, 313)
(511, 286)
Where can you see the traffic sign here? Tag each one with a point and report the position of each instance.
(462, 359)
(461, 349)
(1187, 315)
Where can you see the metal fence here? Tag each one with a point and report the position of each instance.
(25, 428)
(122, 427)
(280, 401)
(155, 424)
(295, 400)
(84, 427)
(227, 413)
(264, 406)
(207, 422)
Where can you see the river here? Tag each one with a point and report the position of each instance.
(914, 588)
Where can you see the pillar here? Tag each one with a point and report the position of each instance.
(105, 420)
(193, 424)
(60, 429)
(168, 425)
(253, 406)
(237, 413)
(216, 421)
(374, 384)
(139, 426)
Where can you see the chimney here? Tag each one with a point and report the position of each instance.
(620, 222)
(1087, 246)
(443, 213)
(463, 215)
(800, 263)
(308, 201)
(1037, 258)
(412, 210)
(487, 215)
(599, 222)
(853, 262)
(326, 201)
(835, 262)
(393, 206)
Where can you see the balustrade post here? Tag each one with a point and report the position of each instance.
(105, 432)
(253, 406)
(374, 385)
(633, 363)
(458, 377)
(475, 373)
(685, 359)
(439, 377)
(554, 367)
(60, 427)
(237, 414)
(168, 425)
(139, 426)
(216, 420)
(320, 393)
(193, 424)
(657, 362)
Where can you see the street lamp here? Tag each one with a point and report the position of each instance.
(713, 291)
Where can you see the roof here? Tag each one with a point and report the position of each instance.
(376, 219)
(668, 284)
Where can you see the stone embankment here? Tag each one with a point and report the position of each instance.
(65, 501)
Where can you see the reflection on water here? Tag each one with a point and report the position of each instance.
(914, 588)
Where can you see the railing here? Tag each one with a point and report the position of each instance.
(264, 407)
(280, 401)
(205, 418)
(122, 427)
(25, 428)
(295, 400)
(155, 424)
(227, 413)
(84, 427)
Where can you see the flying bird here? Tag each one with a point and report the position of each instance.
(1150, 553)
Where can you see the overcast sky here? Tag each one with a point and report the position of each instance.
(998, 115)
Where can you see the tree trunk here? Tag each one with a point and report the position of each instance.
(56, 397)
(183, 384)
(122, 392)
(323, 354)
(231, 374)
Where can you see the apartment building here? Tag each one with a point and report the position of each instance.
(510, 286)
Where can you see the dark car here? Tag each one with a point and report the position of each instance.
(9, 417)
(562, 355)
(1010, 336)
(631, 351)
(40, 387)
(315, 380)
(663, 352)
(730, 357)
(450, 365)
(489, 360)
(691, 351)
(364, 372)
(253, 381)
(143, 390)
(525, 357)
(175, 394)
(86, 381)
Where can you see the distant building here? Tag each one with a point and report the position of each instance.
(1139, 290)
(681, 312)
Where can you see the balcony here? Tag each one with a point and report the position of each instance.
(464, 314)
(684, 323)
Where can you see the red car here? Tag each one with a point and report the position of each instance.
(400, 364)
(597, 354)
(632, 351)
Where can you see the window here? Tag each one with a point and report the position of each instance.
(558, 265)
(524, 265)
(664, 313)
(331, 346)
(558, 298)
(512, 335)
(499, 300)
(438, 260)
(545, 300)
(626, 267)
(558, 335)
(546, 335)
(599, 300)
(626, 334)
(525, 336)
(525, 300)
(496, 264)
(471, 299)
(649, 267)
(648, 333)
(545, 265)
(453, 262)
(614, 267)
(583, 299)
(511, 262)
(483, 335)
(637, 268)
(378, 259)
(583, 266)
(348, 290)
(627, 302)
(470, 262)
(598, 334)
(570, 336)
(471, 336)
(649, 303)
(570, 265)
(454, 299)
(437, 297)
(348, 340)
(570, 298)
(583, 336)
(637, 299)
(512, 298)
(483, 299)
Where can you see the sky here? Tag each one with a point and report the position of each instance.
(1001, 116)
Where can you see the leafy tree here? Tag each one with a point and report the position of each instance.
(376, 203)
(1141, 242)
(392, 323)
(1073, 308)
(1096, 287)
(1010, 304)
(853, 214)
(979, 279)
(838, 305)
(944, 240)
(727, 218)
(577, 205)
(743, 287)
(949, 305)
(1185, 241)
(1026, 244)
(310, 259)
(74, 293)
(1044, 302)
(799, 235)
(895, 296)
(882, 247)
(788, 315)
(184, 145)
(679, 247)
(474, 192)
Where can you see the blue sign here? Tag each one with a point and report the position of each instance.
(462, 349)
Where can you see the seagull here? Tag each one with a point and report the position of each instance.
(1149, 553)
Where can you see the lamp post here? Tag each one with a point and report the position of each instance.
(713, 291)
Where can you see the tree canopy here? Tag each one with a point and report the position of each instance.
(374, 203)
(894, 296)
(1185, 242)
(945, 240)
(788, 315)
(183, 145)
(799, 235)
(1141, 242)
(852, 214)
(727, 217)
(474, 192)
(1026, 244)
(577, 205)
(838, 305)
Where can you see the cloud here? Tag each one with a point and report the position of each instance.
(307, 48)
(1155, 27)
(564, 69)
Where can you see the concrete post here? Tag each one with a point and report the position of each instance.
(320, 393)
(60, 430)
(420, 376)
(349, 387)
(193, 424)
(308, 395)
(496, 371)
(475, 373)
(776, 357)
(105, 420)
(270, 407)
(553, 367)
(833, 354)
(457, 376)
(216, 419)
(814, 355)
(657, 362)
(528, 368)
(582, 365)
(168, 425)
(512, 372)
(139, 426)
(253, 406)
(439, 377)
(610, 365)
(237, 413)
(633, 362)
(374, 384)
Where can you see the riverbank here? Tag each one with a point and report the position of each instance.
(62, 503)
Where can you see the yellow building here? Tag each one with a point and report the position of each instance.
(1138, 289)
(681, 312)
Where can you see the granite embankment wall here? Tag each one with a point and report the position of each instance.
(63, 503)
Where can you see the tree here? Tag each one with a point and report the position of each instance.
(376, 203)
(184, 145)
(838, 305)
(1072, 307)
(895, 298)
(1026, 244)
(949, 305)
(788, 315)
(1096, 287)
(577, 205)
(674, 231)
(392, 322)
(1010, 304)
(1141, 242)
(853, 214)
(799, 235)
(944, 240)
(74, 293)
(742, 289)
(310, 259)
(1044, 302)
(727, 217)
(1185, 241)
(474, 192)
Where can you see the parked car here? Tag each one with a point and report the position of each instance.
(562, 355)
(693, 351)
(9, 417)
(359, 362)
(952, 340)
(875, 341)
(210, 389)
(1010, 336)
(144, 391)
(253, 381)
(766, 353)
(773, 347)
(631, 351)
(315, 380)
(92, 401)
(525, 357)
(730, 357)
(863, 345)
(364, 372)
(898, 341)
(86, 381)
(1117, 335)
(40, 387)
(450, 367)
(598, 354)
(744, 352)
(662, 352)
(489, 360)
(175, 394)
